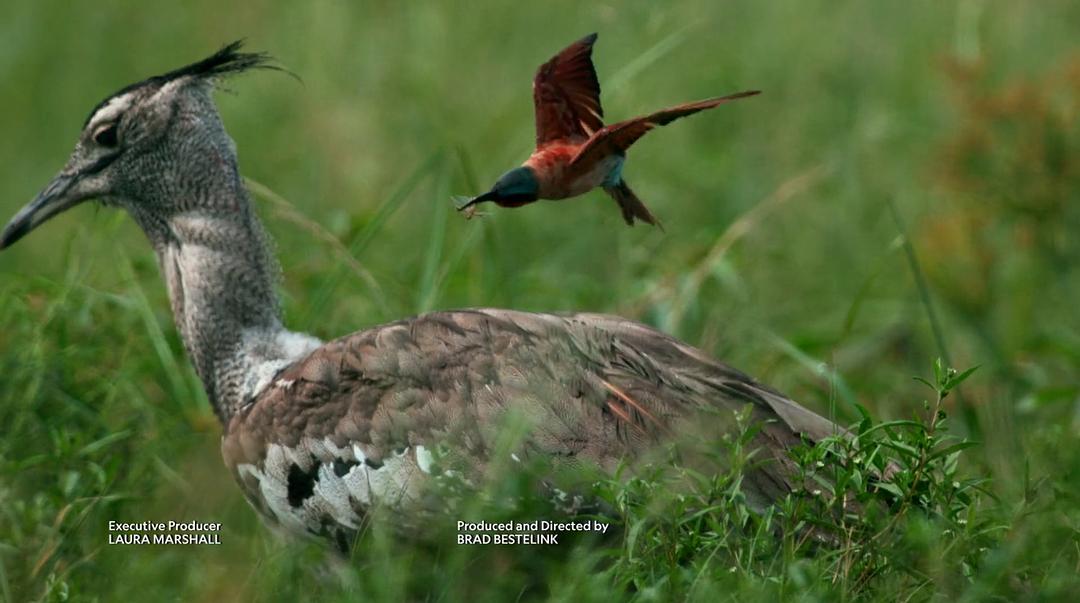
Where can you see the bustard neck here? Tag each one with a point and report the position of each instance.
(217, 264)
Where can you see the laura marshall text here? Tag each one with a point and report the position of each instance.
(164, 539)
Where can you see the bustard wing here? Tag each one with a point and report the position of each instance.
(566, 95)
(358, 421)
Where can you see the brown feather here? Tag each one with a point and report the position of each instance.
(618, 137)
(631, 206)
(566, 95)
(598, 389)
(630, 402)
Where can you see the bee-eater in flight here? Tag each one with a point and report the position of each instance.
(575, 151)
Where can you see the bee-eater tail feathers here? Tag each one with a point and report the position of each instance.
(631, 206)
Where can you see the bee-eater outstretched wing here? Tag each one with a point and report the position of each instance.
(618, 137)
(567, 95)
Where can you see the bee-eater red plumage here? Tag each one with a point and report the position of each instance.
(575, 151)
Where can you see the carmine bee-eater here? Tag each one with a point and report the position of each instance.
(575, 151)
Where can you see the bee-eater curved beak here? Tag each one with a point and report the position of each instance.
(58, 196)
(488, 196)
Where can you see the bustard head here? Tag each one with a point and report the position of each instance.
(160, 133)
(158, 149)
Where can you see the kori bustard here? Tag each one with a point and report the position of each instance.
(317, 433)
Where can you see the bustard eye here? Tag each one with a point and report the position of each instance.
(106, 135)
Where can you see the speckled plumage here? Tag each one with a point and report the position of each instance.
(315, 433)
(448, 378)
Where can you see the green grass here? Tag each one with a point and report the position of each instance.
(781, 255)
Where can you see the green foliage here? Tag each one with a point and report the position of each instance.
(882, 510)
(780, 256)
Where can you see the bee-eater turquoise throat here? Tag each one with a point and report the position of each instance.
(575, 151)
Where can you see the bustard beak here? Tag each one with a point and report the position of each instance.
(62, 193)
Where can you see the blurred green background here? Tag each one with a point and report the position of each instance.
(781, 254)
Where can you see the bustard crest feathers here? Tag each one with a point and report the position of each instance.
(225, 62)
